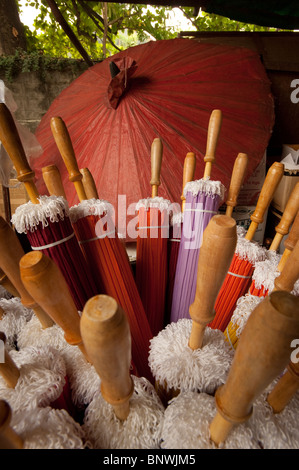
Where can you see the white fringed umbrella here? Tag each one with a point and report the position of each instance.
(13, 319)
(126, 412)
(38, 378)
(39, 428)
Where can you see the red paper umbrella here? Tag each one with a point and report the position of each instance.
(164, 89)
(248, 252)
(151, 248)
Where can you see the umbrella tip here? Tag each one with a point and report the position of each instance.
(114, 70)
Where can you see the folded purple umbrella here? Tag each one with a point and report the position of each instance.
(203, 198)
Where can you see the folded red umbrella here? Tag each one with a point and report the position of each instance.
(248, 252)
(151, 248)
(93, 223)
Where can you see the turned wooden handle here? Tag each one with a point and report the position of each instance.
(188, 173)
(7, 284)
(290, 272)
(285, 388)
(11, 251)
(53, 181)
(65, 147)
(215, 255)
(106, 335)
(8, 369)
(289, 243)
(293, 236)
(89, 184)
(156, 162)
(263, 351)
(273, 177)
(11, 141)
(212, 140)
(238, 174)
(9, 439)
(288, 216)
(44, 281)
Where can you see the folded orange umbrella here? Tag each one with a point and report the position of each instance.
(265, 271)
(248, 252)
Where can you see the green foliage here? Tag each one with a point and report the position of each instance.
(22, 62)
(105, 28)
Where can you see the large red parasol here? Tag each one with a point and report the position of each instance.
(165, 89)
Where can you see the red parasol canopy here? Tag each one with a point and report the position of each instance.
(165, 89)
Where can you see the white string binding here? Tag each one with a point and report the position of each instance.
(51, 245)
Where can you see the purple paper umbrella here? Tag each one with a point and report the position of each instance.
(203, 199)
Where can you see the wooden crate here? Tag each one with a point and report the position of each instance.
(18, 196)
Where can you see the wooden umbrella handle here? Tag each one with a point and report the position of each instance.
(106, 335)
(53, 181)
(11, 251)
(214, 128)
(288, 216)
(9, 439)
(44, 281)
(215, 255)
(11, 141)
(238, 174)
(273, 177)
(188, 173)
(156, 163)
(263, 352)
(285, 388)
(290, 243)
(290, 272)
(65, 147)
(89, 184)
(8, 369)
(7, 284)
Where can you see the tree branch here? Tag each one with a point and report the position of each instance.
(69, 32)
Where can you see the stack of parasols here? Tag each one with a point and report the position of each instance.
(97, 355)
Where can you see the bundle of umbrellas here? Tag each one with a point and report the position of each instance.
(98, 363)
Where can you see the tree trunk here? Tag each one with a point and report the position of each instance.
(12, 34)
